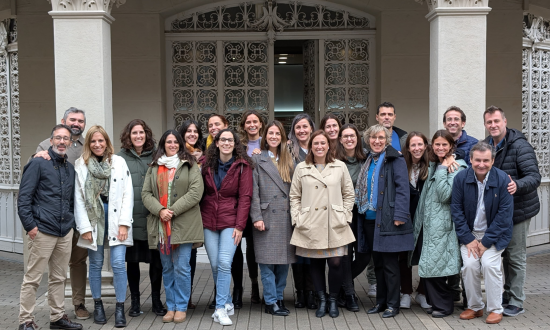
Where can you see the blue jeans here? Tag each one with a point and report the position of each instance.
(220, 247)
(274, 281)
(176, 274)
(118, 254)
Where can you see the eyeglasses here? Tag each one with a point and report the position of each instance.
(349, 137)
(61, 138)
(224, 140)
(377, 138)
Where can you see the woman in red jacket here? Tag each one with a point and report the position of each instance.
(227, 175)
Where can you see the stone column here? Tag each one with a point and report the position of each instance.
(82, 40)
(458, 41)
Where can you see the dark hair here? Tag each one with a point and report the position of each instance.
(224, 120)
(341, 151)
(385, 105)
(447, 136)
(327, 117)
(213, 152)
(329, 158)
(185, 126)
(492, 109)
(483, 146)
(60, 126)
(457, 109)
(424, 161)
(183, 154)
(242, 132)
(125, 135)
(73, 110)
(292, 136)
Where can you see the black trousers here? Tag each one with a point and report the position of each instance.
(335, 274)
(355, 262)
(439, 294)
(238, 264)
(155, 274)
(388, 279)
(302, 277)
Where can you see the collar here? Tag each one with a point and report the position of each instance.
(57, 157)
(490, 180)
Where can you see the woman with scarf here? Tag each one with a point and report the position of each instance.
(215, 124)
(138, 146)
(171, 192)
(321, 201)
(298, 139)
(227, 175)
(104, 201)
(191, 132)
(385, 226)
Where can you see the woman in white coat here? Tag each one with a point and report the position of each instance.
(104, 200)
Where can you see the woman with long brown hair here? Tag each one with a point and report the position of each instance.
(332, 126)
(269, 213)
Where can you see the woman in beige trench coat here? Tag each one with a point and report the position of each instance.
(321, 201)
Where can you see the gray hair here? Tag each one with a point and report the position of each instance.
(373, 130)
(483, 146)
(73, 110)
(61, 126)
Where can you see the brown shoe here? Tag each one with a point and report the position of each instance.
(81, 313)
(493, 318)
(471, 314)
(169, 317)
(180, 317)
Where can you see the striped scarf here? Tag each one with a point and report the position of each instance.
(165, 176)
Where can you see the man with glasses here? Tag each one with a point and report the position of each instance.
(45, 206)
(75, 119)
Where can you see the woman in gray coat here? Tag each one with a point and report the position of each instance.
(270, 214)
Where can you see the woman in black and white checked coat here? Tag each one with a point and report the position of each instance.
(270, 214)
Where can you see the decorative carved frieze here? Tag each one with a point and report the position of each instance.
(536, 29)
(434, 4)
(85, 5)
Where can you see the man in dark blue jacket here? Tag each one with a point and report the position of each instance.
(482, 210)
(45, 207)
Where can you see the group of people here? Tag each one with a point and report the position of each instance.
(333, 196)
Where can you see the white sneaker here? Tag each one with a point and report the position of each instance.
(230, 309)
(405, 301)
(421, 300)
(372, 291)
(220, 316)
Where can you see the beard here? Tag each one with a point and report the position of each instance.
(56, 150)
(76, 130)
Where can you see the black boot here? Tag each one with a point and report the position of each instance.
(158, 306)
(65, 323)
(351, 303)
(238, 298)
(275, 310)
(311, 304)
(300, 299)
(212, 304)
(333, 306)
(120, 318)
(322, 303)
(135, 307)
(255, 293)
(341, 300)
(99, 312)
(281, 304)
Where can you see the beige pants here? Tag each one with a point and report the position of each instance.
(46, 251)
(78, 269)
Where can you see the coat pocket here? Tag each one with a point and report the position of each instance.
(303, 218)
(340, 216)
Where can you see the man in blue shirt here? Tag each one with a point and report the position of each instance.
(385, 116)
(454, 120)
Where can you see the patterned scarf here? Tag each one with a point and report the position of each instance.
(97, 183)
(165, 176)
(363, 199)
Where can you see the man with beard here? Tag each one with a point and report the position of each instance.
(75, 119)
(45, 207)
(385, 116)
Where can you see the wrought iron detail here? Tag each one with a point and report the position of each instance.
(310, 78)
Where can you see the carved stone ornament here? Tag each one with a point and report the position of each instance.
(85, 5)
(434, 4)
(3, 38)
(535, 28)
(270, 22)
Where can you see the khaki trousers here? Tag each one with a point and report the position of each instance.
(46, 251)
(78, 269)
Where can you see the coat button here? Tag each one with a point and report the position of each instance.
(324, 208)
(275, 196)
(115, 210)
(378, 225)
(325, 186)
(284, 196)
(381, 193)
(175, 195)
(273, 211)
(287, 211)
(316, 209)
(114, 180)
(316, 187)
(382, 175)
(177, 177)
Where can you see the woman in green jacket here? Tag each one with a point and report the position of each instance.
(434, 229)
(172, 190)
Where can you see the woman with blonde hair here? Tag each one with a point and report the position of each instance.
(270, 215)
(104, 202)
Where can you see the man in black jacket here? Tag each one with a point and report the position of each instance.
(516, 157)
(45, 207)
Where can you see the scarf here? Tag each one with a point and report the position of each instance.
(170, 162)
(363, 200)
(209, 141)
(165, 176)
(97, 183)
(190, 148)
